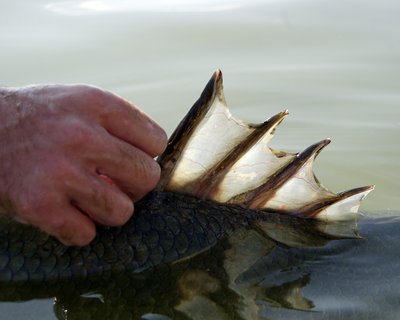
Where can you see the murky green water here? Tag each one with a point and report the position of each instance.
(334, 65)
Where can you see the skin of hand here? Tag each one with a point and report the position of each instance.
(73, 156)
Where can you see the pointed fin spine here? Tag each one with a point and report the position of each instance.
(208, 184)
(185, 129)
(256, 198)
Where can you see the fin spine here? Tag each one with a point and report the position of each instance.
(257, 197)
(208, 184)
(185, 129)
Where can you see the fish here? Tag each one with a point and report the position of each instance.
(218, 175)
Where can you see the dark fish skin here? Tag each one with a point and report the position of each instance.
(166, 227)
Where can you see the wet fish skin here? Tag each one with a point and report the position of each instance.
(166, 227)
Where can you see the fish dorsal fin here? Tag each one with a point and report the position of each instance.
(253, 168)
(212, 155)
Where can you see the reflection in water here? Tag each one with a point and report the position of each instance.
(288, 295)
(245, 276)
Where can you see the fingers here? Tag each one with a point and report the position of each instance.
(134, 171)
(133, 126)
(103, 202)
(71, 208)
(69, 226)
(61, 220)
(69, 205)
(136, 128)
(125, 121)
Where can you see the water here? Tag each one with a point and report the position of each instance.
(334, 65)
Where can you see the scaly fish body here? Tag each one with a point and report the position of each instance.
(166, 227)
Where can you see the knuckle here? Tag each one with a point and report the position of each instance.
(78, 133)
(87, 99)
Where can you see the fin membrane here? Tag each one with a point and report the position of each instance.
(212, 155)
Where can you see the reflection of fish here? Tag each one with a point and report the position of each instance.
(218, 175)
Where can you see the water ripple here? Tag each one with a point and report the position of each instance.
(80, 7)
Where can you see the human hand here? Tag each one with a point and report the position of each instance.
(73, 156)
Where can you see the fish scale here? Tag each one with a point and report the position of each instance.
(185, 231)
